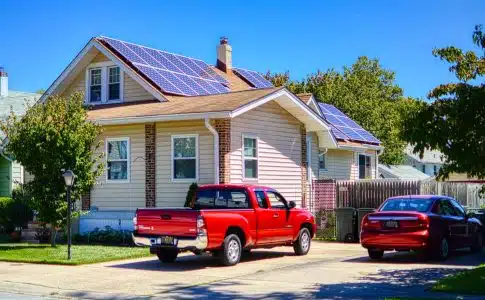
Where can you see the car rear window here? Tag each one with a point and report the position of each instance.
(221, 198)
(406, 204)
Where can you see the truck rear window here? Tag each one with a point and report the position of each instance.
(221, 198)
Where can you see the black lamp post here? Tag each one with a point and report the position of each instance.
(69, 180)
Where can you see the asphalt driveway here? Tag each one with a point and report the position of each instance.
(330, 271)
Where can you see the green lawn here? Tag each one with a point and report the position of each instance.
(81, 254)
(467, 282)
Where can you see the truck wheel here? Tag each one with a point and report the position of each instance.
(232, 250)
(167, 255)
(303, 242)
(375, 254)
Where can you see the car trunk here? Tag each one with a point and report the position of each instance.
(396, 221)
(167, 222)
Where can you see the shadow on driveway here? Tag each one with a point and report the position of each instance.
(457, 258)
(197, 262)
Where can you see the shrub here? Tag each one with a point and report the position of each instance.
(190, 195)
(5, 222)
(107, 236)
(15, 212)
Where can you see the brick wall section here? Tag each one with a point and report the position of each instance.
(150, 166)
(223, 128)
(304, 165)
(86, 201)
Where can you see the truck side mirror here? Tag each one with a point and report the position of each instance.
(292, 204)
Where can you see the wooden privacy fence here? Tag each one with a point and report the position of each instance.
(370, 194)
(330, 194)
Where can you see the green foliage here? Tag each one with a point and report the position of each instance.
(367, 93)
(14, 212)
(51, 137)
(107, 236)
(467, 282)
(189, 200)
(454, 123)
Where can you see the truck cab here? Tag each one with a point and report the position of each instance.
(225, 220)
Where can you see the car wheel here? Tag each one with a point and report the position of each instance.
(442, 250)
(302, 244)
(478, 243)
(375, 254)
(167, 255)
(232, 250)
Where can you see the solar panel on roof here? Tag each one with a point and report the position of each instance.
(175, 74)
(345, 128)
(254, 78)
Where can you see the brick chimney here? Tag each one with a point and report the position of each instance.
(224, 55)
(3, 83)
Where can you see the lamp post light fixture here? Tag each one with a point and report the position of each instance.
(69, 181)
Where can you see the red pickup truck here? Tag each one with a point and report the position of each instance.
(225, 220)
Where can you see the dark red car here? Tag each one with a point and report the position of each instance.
(433, 224)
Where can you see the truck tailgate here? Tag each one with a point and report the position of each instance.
(170, 222)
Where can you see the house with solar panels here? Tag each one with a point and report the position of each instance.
(171, 120)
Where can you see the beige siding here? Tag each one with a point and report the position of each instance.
(279, 149)
(132, 91)
(170, 193)
(340, 165)
(127, 195)
(314, 156)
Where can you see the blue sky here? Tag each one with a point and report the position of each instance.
(38, 40)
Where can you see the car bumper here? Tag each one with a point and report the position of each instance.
(395, 241)
(198, 243)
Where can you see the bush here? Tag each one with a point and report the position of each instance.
(106, 236)
(190, 195)
(14, 212)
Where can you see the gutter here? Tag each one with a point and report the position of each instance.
(216, 148)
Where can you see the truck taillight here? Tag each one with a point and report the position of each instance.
(135, 223)
(201, 227)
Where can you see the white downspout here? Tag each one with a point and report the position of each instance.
(378, 153)
(216, 149)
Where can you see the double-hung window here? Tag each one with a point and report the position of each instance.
(364, 166)
(184, 157)
(250, 157)
(118, 159)
(322, 161)
(104, 83)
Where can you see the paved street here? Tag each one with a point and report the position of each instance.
(330, 271)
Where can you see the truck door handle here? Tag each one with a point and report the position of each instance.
(276, 215)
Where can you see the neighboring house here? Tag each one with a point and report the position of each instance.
(170, 120)
(402, 172)
(11, 172)
(430, 164)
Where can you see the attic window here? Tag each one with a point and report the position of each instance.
(104, 83)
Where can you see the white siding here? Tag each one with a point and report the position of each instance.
(128, 195)
(279, 149)
(17, 174)
(169, 193)
(340, 165)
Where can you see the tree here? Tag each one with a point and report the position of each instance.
(51, 137)
(367, 93)
(454, 123)
(40, 91)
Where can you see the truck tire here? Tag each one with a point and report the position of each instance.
(231, 250)
(303, 242)
(167, 255)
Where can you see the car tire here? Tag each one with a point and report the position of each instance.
(442, 250)
(232, 250)
(167, 255)
(478, 243)
(375, 254)
(303, 242)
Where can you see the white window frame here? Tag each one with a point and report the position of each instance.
(172, 147)
(104, 66)
(358, 165)
(320, 154)
(128, 158)
(250, 136)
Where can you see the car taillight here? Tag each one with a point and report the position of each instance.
(370, 224)
(135, 223)
(423, 221)
(201, 227)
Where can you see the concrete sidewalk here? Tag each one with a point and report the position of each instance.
(330, 271)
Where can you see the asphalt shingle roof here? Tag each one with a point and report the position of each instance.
(15, 101)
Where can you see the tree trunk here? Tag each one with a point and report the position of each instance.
(53, 236)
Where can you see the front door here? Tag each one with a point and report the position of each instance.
(271, 219)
